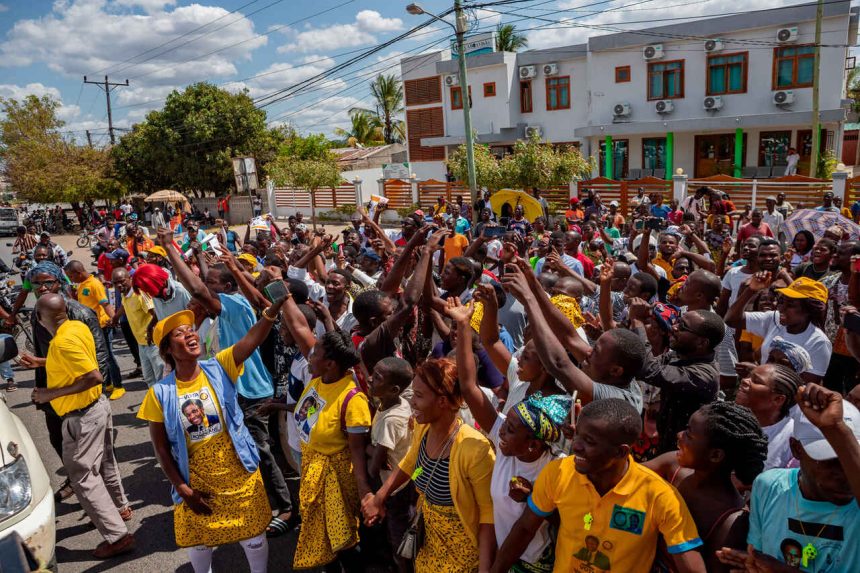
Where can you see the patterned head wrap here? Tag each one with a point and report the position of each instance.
(570, 308)
(796, 354)
(46, 268)
(544, 415)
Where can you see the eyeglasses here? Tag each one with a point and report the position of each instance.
(684, 327)
(48, 284)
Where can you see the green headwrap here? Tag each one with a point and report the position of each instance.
(544, 415)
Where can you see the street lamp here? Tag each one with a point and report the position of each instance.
(460, 33)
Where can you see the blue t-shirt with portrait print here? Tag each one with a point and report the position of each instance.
(783, 523)
(236, 319)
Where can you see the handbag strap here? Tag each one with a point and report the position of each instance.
(442, 451)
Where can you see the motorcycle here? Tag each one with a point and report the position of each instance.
(22, 330)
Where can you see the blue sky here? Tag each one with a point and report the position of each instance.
(262, 45)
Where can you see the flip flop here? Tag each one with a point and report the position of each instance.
(278, 527)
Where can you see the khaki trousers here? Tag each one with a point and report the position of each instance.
(93, 471)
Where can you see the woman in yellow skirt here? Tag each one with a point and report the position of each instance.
(452, 466)
(203, 446)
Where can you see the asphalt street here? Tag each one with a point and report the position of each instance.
(145, 484)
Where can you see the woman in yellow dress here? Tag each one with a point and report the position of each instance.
(452, 466)
(203, 446)
(333, 419)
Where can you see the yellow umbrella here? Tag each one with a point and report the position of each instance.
(531, 207)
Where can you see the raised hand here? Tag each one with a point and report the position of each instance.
(436, 238)
(759, 281)
(606, 272)
(638, 308)
(165, 237)
(821, 406)
(515, 282)
(459, 312)
(486, 295)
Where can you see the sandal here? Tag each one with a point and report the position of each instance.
(64, 492)
(10, 385)
(278, 526)
(126, 513)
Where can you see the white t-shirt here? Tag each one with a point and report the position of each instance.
(778, 450)
(517, 389)
(390, 430)
(813, 339)
(506, 511)
(733, 280)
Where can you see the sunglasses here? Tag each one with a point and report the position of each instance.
(49, 284)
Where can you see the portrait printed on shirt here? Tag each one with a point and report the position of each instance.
(308, 412)
(590, 559)
(199, 415)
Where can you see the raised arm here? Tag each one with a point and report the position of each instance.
(254, 296)
(196, 287)
(297, 324)
(735, 315)
(246, 346)
(604, 301)
(390, 247)
(489, 332)
(478, 402)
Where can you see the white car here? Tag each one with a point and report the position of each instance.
(26, 498)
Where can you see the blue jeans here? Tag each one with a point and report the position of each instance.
(6, 372)
(113, 367)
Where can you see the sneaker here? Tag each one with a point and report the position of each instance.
(117, 393)
(108, 388)
(107, 550)
(136, 373)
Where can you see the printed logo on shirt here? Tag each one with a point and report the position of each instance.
(199, 415)
(307, 414)
(626, 519)
(590, 558)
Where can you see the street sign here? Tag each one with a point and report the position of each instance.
(245, 170)
(478, 44)
(395, 170)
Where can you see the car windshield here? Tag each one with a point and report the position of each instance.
(8, 215)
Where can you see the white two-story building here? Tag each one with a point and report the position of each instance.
(728, 95)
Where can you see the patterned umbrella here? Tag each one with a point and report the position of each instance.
(816, 222)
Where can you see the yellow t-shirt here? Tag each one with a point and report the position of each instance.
(72, 354)
(317, 415)
(659, 261)
(137, 307)
(455, 246)
(201, 412)
(623, 525)
(91, 293)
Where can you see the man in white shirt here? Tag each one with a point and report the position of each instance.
(774, 219)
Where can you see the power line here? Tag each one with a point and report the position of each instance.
(107, 86)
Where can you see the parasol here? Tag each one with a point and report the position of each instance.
(816, 222)
(531, 207)
(166, 196)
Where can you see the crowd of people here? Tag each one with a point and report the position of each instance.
(668, 389)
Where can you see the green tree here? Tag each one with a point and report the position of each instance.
(508, 39)
(306, 163)
(387, 92)
(43, 166)
(487, 172)
(538, 164)
(363, 131)
(852, 85)
(189, 144)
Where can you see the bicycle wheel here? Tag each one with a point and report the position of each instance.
(24, 337)
(83, 241)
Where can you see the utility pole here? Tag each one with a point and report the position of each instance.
(107, 86)
(467, 105)
(816, 116)
(89, 139)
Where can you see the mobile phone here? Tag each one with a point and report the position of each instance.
(852, 322)
(276, 291)
(496, 231)
(571, 416)
(654, 224)
(639, 225)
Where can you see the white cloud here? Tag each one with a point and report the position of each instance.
(362, 32)
(93, 39)
(20, 92)
(148, 6)
(324, 116)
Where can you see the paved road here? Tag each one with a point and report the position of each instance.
(145, 485)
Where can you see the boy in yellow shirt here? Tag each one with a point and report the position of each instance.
(92, 294)
(612, 509)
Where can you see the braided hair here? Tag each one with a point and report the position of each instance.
(785, 383)
(735, 430)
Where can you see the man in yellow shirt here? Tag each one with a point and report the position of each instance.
(74, 391)
(612, 509)
(139, 311)
(92, 294)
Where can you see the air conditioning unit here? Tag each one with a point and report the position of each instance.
(713, 103)
(550, 69)
(665, 106)
(532, 130)
(785, 35)
(713, 45)
(784, 97)
(653, 52)
(452, 80)
(621, 110)
(527, 72)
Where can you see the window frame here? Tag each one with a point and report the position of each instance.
(523, 84)
(492, 86)
(680, 94)
(459, 89)
(665, 151)
(557, 91)
(709, 90)
(795, 67)
(623, 69)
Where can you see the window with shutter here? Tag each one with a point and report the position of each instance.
(423, 91)
(421, 123)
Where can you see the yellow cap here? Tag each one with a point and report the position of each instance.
(805, 287)
(163, 327)
(158, 250)
(250, 259)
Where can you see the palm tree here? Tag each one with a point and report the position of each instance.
(363, 129)
(508, 40)
(388, 93)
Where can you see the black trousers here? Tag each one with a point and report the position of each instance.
(130, 340)
(54, 424)
(273, 478)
